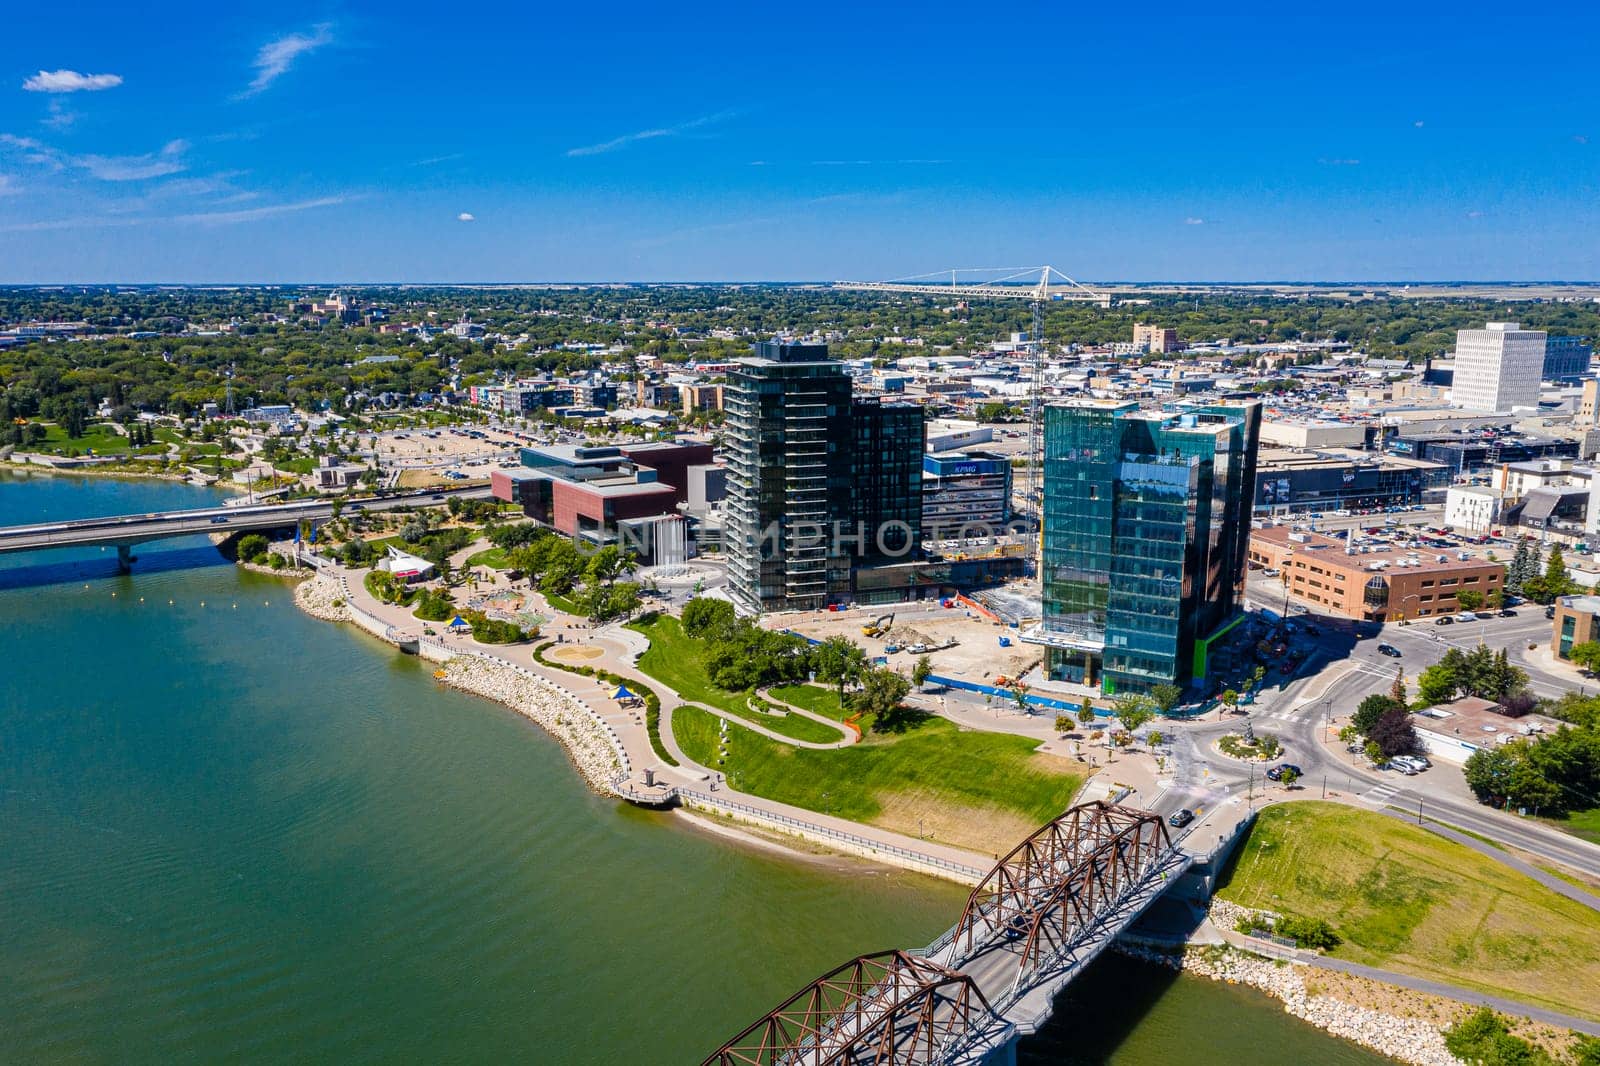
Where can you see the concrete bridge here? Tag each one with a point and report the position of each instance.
(1037, 919)
(124, 531)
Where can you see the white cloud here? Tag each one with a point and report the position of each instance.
(466, 216)
(134, 167)
(1474, 214)
(1192, 221)
(70, 81)
(649, 135)
(59, 117)
(1340, 162)
(251, 214)
(276, 57)
(1418, 124)
(1580, 138)
(8, 185)
(169, 160)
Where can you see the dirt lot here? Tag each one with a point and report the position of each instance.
(977, 655)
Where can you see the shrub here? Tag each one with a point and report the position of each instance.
(252, 546)
(1308, 932)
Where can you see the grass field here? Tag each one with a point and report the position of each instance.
(1404, 899)
(1585, 824)
(98, 436)
(494, 558)
(794, 726)
(814, 698)
(983, 791)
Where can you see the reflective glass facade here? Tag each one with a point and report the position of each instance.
(1146, 533)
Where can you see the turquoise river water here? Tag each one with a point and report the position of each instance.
(232, 833)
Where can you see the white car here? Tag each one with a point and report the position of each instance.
(1414, 763)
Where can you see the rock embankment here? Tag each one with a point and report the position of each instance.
(321, 597)
(1405, 1039)
(586, 742)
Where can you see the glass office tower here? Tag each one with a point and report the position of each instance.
(1146, 535)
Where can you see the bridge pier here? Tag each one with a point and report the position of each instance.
(125, 558)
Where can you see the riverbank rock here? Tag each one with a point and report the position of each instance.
(1404, 1039)
(586, 741)
(321, 597)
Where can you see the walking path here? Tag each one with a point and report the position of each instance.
(620, 648)
(1415, 984)
(1548, 880)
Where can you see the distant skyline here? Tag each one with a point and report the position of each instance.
(354, 142)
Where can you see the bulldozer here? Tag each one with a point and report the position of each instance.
(878, 625)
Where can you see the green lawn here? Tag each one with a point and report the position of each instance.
(1585, 824)
(983, 791)
(814, 698)
(300, 464)
(494, 558)
(1407, 900)
(794, 726)
(97, 436)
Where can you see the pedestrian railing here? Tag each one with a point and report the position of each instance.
(830, 833)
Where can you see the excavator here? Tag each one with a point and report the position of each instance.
(878, 625)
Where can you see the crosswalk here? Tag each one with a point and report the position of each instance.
(1384, 795)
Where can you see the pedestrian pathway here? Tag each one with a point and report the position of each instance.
(1550, 881)
(1415, 984)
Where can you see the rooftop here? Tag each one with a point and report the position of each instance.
(1378, 556)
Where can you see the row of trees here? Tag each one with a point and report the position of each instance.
(592, 580)
(1480, 672)
(1541, 583)
(740, 655)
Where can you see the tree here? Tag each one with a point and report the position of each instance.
(1394, 734)
(1155, 738)
(838, 661)
(704, 615)
(1229, 698)
(1397, 691)
(920, 672)
(1166, 697)
(881, 692)
(1586, 655)
(1469, 599)
(1288, 777)
(1134, 711)
(252, 546)
(1086, 715)
(1370, 709)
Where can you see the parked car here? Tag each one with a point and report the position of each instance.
(1506, 612)
(1444, 621)
(1390, 650)
(1181, 818)
(1415, 762)
(1550, 611)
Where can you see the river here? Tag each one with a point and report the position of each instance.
(229, 832)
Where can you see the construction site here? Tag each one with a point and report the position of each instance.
(965, 638)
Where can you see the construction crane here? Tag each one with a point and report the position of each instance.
(1017, 284)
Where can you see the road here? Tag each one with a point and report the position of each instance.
(1302, 712)
(124, 530)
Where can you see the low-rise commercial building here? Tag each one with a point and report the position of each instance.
(1337, 479)
(1472, 509)
(1457, 730)
(1577, 621)
(1373, 584)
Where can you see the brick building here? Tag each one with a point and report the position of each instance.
(1374, 585)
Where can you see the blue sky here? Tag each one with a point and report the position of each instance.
(529, 142)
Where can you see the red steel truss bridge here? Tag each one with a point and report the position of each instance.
(1039, 916)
